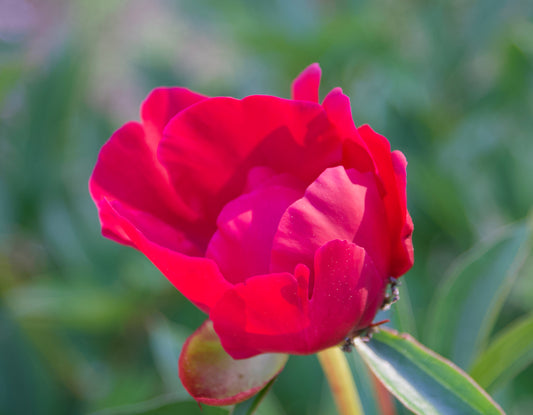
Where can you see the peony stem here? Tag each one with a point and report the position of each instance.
(339, 376)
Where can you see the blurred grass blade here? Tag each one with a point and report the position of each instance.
(509, 353)
(466, 306)
(166, 342)
(422, 380)
(402, 312)
(363, 382)
(250, 406)
(164, 405)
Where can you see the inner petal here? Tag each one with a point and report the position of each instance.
(340, 204)
(246, 226)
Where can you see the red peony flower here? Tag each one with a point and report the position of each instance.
(278, 218)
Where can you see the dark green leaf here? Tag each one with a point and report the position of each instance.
(423, 381)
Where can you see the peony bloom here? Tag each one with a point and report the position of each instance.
(277, 217)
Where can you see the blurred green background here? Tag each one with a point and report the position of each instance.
(86, 324)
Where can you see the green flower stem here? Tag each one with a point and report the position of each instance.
(335, 366)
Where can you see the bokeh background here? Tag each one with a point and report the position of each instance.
(86, 324)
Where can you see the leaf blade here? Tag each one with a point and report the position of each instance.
(509, 353)
(422, 380)
(470, 300)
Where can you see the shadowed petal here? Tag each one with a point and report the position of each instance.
(128, 170)
(392, 170)
(246, 226)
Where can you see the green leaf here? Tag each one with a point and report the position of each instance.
(423, 381)
(164, 405)
(249, 406)
(402, 313)
(213, 377)
(509, 353)
(465, 308)
(364, 384)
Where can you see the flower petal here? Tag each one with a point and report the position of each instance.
(209, 148)
(127, 169)
(198, 279)
(213, 377)
(340, 204)
(246, 227)
(392, 169)
(355, 151)
(273, 313)
(164, 103)
(305, 86)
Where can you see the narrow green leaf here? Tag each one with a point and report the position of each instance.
(166, 342)
(364, 384)
(249, 406)
(466, 306)
(402, 312)
(164, 405)
(509, 353)
(423, 381)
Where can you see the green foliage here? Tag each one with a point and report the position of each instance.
(466, 306)
(423, 381)
(508, 354)
(88, 325)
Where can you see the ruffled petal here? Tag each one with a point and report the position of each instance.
(392, 171)
(209, 148)
(128, 170)
(403, 253)
(198, 279)
(356, 154)
(246, 226)
(340, 204)
(273, 313)
(305, 86)
(164, 103)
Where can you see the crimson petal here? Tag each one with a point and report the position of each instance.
(127, 168)
(273, 313)
(340, 204)
(392, 169)
(198, 279)
(209, 148)
(305, 86)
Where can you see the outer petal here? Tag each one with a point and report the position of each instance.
(273, 313)
(305, 86)
(212, 377)
(340, 204)
(209, 149)
(164, 103)
(198, 279)
(127, 169)
(391, 169)
(403, 258)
